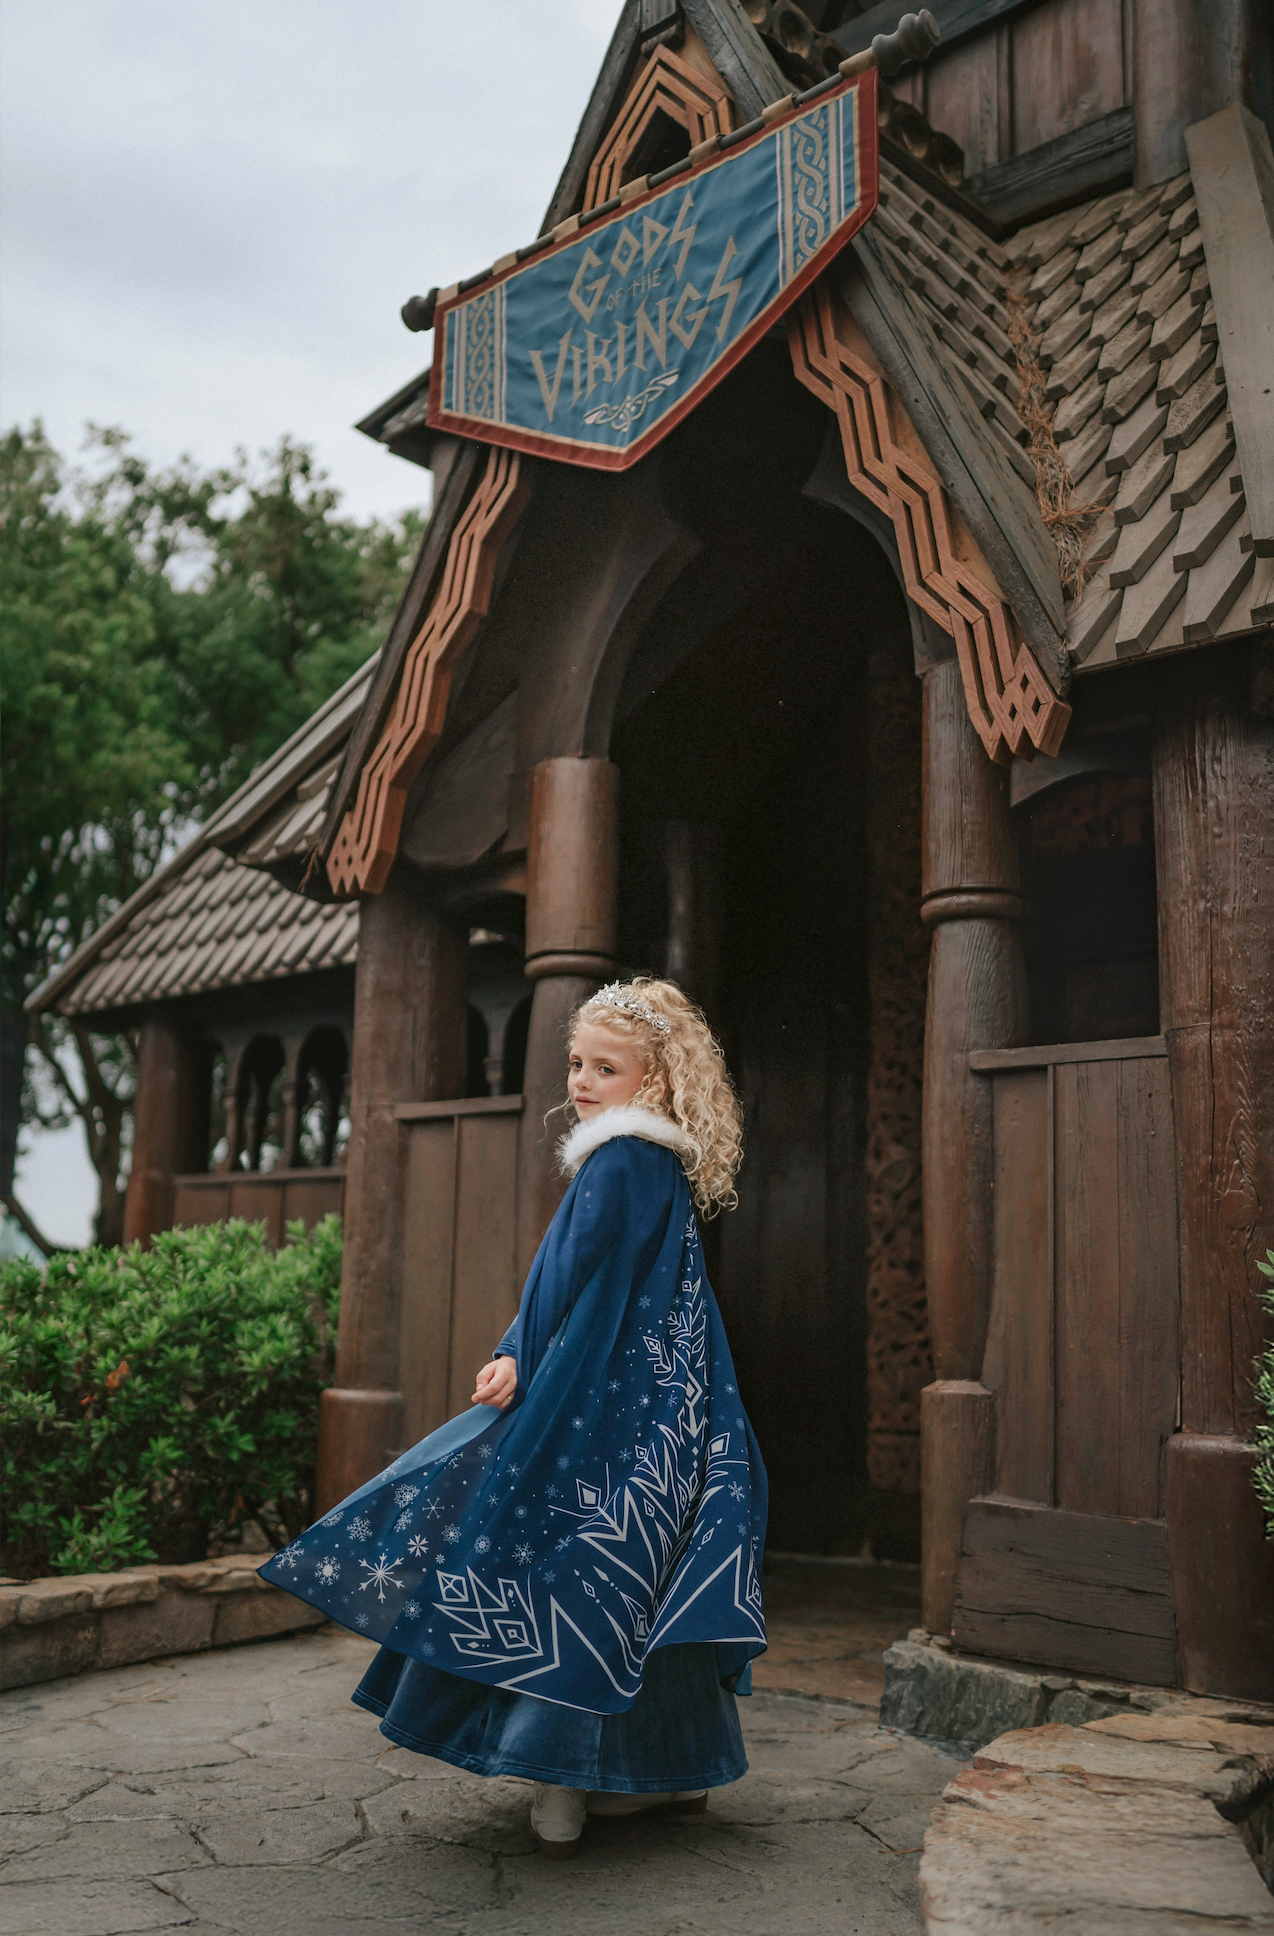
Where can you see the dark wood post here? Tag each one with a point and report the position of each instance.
(977, 1000)
(692, 861)
(170, 1122)
(1214, 850)
(572, 869)
(409, 1046)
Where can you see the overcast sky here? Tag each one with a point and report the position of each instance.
(210, 216)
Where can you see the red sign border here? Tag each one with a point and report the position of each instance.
(591, 457)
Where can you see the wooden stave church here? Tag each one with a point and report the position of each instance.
(1008, 1081)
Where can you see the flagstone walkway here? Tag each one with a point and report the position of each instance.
(240, 1791)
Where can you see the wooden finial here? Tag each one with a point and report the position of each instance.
(913, 39)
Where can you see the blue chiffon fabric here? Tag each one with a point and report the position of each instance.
(681, 1732)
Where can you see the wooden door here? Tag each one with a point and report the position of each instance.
(460, 1289)
(1067, 1562)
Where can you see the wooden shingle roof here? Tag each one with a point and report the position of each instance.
(1121, 300)
(206, 920)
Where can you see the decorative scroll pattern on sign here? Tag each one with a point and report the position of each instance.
(364, 849)
(1013, 708)
(668, 87)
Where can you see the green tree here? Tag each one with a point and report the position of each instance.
(165, 630)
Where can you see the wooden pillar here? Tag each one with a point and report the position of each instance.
(170, 1122)
(692, 860)
(409, 1046)
(1214, 850)
(977, 1000)
(572, 869)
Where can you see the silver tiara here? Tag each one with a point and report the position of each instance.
(616, 995)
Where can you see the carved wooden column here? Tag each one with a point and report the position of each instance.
(977, 1000)
(572, 867)
(1214, 850)
(409, 1046)
(170, 1122)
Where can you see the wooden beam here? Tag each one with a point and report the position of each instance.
(957, 19)
(1233, 173)
(739, 55)
(998, 507)
(412, 608)
(987, 1061)
(1058, 174)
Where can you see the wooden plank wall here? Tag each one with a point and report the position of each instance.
(273, 1197)
(1025, 79)
(1083, 1356)
(460, 1288)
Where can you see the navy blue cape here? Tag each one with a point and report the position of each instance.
(619, 1504)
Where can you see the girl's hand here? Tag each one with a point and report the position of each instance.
(496, 1384)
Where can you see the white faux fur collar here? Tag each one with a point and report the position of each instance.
(586, 1137)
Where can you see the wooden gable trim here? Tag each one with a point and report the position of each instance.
(739, 54)
(412, 608)
(367, 838)
(668, 85)
(1232, 170)
(1013, 707)
(603, 104)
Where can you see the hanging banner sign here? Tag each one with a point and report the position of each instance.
(593, 348)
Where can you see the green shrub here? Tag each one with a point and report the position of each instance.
(156, 1398)
(1265, 1399)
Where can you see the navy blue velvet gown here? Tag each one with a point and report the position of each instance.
(570, 1590)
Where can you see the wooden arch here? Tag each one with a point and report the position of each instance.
(668, 86)
(1011, 703)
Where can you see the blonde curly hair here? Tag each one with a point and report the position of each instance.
(686, 1079)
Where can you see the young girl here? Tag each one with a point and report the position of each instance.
(566, 1579)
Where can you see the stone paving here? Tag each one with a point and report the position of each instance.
(239, 1791)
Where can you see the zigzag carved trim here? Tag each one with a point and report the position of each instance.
(364, 849)
(1012, 705)
(669, 86)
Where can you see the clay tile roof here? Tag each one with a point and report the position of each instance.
(1122, 308)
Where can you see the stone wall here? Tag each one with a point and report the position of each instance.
(76, 1622)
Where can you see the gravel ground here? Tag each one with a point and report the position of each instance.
(240, 1791)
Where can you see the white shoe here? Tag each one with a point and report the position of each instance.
(557, 1819)
(689, 1801)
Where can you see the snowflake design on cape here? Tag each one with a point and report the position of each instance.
(486, 1452)
(289, 1557)
(417, 1547)
(520, 1512)
(736, 1490)
(380, 1576)
(577, 1421)
(360, 1528)
(402, 1522)
(523, 1553)
(482, 1544)
(360, 1620)
(412, 1610)
(563, 1463)
(451, 1534)
(613, 1385)
(403, 1495)
(334, 1519)
(432, 1509)
(552, 1492)
(327, 1572)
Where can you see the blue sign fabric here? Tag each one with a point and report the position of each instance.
(618, 1506)
(591, 351)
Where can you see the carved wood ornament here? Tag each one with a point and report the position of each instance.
(666, 86)
(363, 851)
(1012, 705)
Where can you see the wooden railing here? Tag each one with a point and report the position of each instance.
(460, 1288)
(274, 1197)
